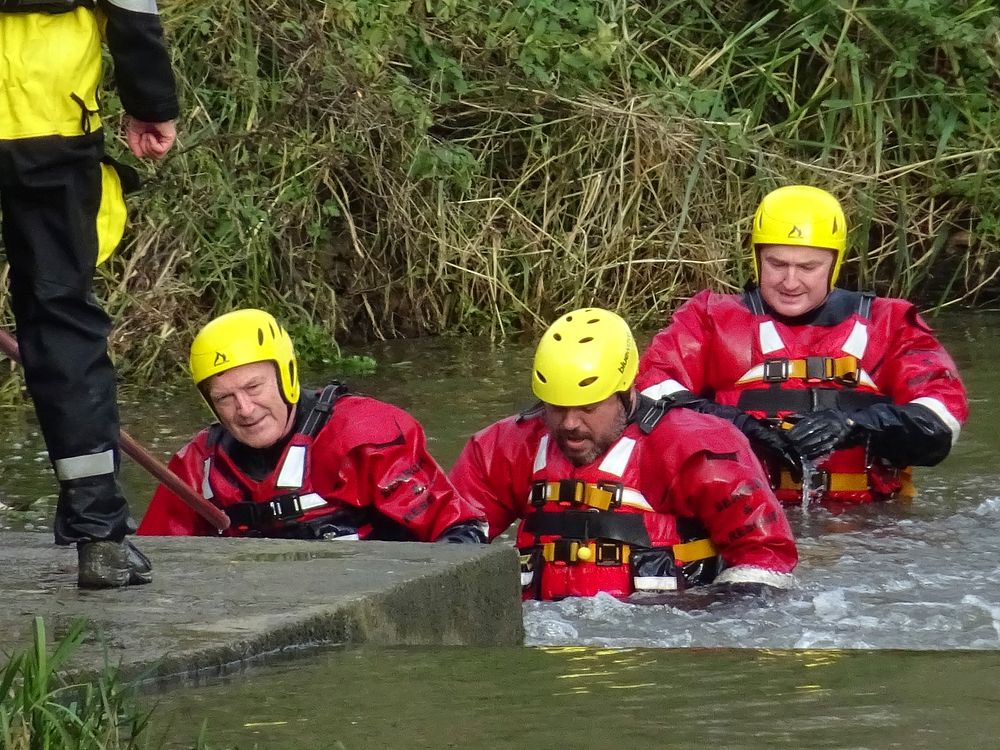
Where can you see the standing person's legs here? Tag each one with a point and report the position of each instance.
(51, 195)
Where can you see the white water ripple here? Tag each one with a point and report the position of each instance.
(881, 578)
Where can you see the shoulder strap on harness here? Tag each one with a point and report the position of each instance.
(535, 410)
(215, 433)
(865, 305)
(323, 409)
(752, 299)
(649, 412)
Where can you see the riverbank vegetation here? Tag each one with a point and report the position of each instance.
(41, 711)
(401, 167)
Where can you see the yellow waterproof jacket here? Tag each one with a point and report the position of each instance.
(50, 68)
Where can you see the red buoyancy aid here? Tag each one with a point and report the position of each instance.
(772, 370)
(631, 520)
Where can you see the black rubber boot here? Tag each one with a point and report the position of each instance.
(109, 565)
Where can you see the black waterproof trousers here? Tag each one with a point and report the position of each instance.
(50, 191)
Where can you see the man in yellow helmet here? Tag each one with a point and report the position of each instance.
(869, 388)
(62, 207)
(308, 465)
(615, 492)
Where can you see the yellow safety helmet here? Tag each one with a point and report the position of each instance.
(240, 338)
(803, 216)
(583, 358)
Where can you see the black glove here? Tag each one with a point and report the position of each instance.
(820, 432)
(904, 435)
(762, 436)
(770, 440)
(469, 532)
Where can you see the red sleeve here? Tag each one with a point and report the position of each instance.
(167, 514)
(491, 471)
(723, 485)
(677, 352)
(402, 480)
(915, 365)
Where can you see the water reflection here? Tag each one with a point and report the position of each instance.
(599, 698)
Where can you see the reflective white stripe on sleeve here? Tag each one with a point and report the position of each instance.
(617, 458)
(293, 469)
(136, 6)
(311, 500)
(753, 574)
(540, 454)
(770, 341)
(206, 486)
(857, 342)
(90, 465)
(654, 583)
(942, 413)
(663, 388)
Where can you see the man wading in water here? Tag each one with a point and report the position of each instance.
(618, 493)
(307, 465)
(868, 387)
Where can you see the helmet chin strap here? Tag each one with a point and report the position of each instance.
(629, 401)
(290, 421)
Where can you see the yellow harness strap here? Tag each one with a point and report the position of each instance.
(582, 494)
(846, 369)
(699, 549)
(839, 368)
(606, 552)
(852, 483)
(906, 479)
(833, 483)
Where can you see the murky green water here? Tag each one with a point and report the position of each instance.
(511, 699)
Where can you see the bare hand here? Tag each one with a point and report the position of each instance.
(150, 140)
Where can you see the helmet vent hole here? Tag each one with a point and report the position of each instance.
(260, 337)
(271, 328)
(540, 376)
(586, 339)
(291, 372)
(593, 320)
(588, 381)
(557, 337)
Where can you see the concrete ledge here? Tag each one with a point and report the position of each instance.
(214, 603)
